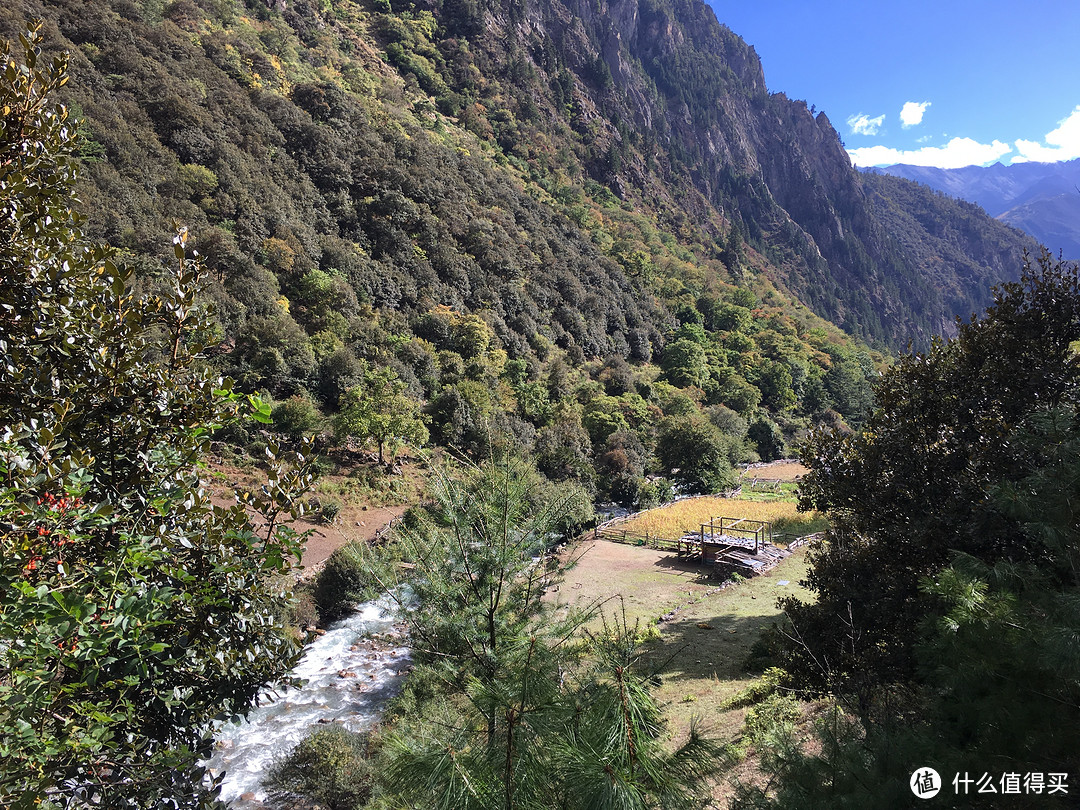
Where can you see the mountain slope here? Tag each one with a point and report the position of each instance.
(709, 138)
(1042, 199)
(653, 100)
(499, 205)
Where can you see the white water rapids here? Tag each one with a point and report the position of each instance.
(348, 675)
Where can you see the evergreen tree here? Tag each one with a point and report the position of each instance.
(532, 712)
(919, 482)
(946, 621)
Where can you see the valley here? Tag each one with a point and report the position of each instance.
(277, 273)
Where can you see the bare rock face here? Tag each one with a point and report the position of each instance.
(672, 105)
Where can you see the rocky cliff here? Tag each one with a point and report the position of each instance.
(651, 103)
(672, 111)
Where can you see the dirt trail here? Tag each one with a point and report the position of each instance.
(352, 523)
(360, 523)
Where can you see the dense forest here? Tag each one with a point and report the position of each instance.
(589, 238)
(593, 236)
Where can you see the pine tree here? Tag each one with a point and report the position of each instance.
(532, 712)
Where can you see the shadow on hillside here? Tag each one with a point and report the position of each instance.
(689, 570)
(693, 648)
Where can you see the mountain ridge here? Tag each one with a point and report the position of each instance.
(768, 161)
(707, 140)
(1042, 199)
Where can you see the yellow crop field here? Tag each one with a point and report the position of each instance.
(676, 519)
(777, 471)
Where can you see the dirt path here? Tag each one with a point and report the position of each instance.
(352, 523)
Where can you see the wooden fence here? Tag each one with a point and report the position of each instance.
(617, 535)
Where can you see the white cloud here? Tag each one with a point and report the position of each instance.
(911, 114)
(862, 124)
(956, 153)
(1062, 143)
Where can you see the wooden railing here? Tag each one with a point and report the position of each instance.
(617, 535)
(759, 530)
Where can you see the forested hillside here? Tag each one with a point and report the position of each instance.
(1039, 198)
(577, 241)
(583, 230)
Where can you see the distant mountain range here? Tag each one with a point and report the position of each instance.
(1042, 199)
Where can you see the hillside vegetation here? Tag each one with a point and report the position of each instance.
(593, 235)
(583, 246)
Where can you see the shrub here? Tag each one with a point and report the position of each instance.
(772, 680)
(772, 718)
(329, 511)
(296, 416)
(332, 767)
(302, 611)
(343, 582)
(654, 493)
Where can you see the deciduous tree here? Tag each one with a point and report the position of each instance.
(696, 454)
(379, 410)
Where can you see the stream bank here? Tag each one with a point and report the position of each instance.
(348, 674)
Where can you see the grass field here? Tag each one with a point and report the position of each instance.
(701, 651)
(708, 643)
(674, 520)
(702, 648)
(776, 507)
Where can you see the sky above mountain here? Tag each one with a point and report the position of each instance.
(944, 83)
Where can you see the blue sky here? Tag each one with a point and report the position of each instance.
(946, 83)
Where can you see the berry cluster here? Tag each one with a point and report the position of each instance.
(60, 508)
